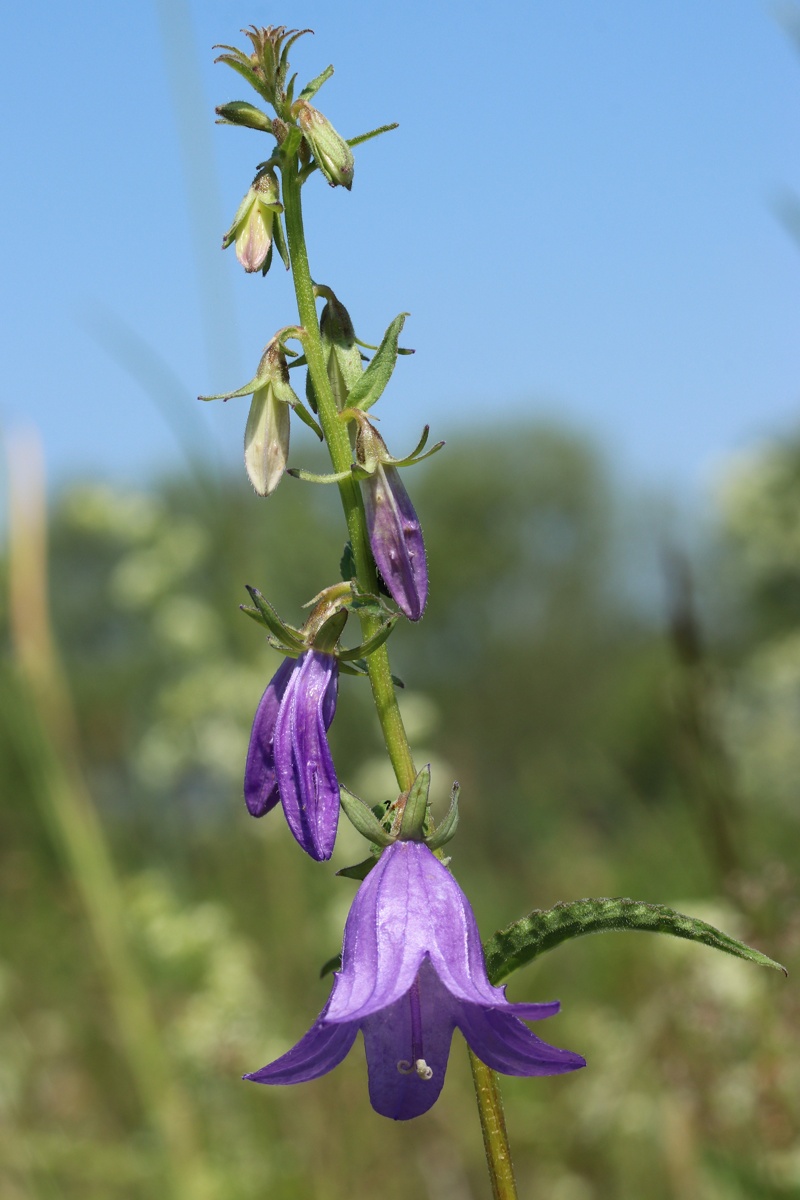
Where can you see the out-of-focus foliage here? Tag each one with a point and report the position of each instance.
(556, 699)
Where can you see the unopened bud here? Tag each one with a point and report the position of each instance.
(252, 226)
(334, 156)
(396, 539)
(266, 435)
(239, 112)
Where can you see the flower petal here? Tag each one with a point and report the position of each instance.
(306, 775)
(396, 1089)
(317, 1052)
(260, 784)
(502, 1042)
(385, 938)
(396, 539)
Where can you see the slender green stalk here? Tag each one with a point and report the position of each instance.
(338, 443)
(493, 1127)
(490, 1105)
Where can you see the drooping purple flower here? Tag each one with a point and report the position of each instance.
(413, 971)
(396, 539)
(289, 758)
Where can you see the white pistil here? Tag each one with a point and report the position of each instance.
(419, 1068)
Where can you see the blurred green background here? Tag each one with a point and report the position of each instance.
(617, 728)
(610, 660)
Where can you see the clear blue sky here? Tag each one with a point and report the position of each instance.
(577, 210)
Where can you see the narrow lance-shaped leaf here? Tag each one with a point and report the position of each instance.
(524, 940)
(369, 387)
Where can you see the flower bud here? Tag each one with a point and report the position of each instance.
(334, 156)
(266, 435)
(252, 226)
(396, 539)
(239, 112)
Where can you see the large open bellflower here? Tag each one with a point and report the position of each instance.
(412, 972)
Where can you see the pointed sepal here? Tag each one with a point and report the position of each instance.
(446, 830)
(415, 810)
(361, 816)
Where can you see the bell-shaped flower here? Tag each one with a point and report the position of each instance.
(413, 971)
(289, 758)
(252, 228)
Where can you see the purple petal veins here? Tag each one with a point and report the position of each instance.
(396, 539)
(260, 783)
(412, 972)
(289, 758)
(307, 781)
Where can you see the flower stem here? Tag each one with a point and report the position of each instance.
(493, 1127)
(490, 1106)
(338, 443)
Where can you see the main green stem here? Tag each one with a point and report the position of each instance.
(490, 1107)
(338, 442)
(493, 1128)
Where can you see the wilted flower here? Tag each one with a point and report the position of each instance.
(289, 758)
(252, 226)
(395, 536)
(412, 971)
(334, 156)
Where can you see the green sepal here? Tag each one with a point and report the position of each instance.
(371, 644)
(258, 381)
(524, 940)
(279, 240)
(359, 814)
(443, 833)
(313, 87)
(241, 64)
(305, 416)
(359, 667)
(239, 112)
(347, 563)
(268, 260)
(368, 388)
(358, 870)
(415, 811)
(311, 477)
(333, 964)
(328, 635)
(373, 133)
(269, 618)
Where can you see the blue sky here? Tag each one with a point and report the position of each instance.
(578, 211)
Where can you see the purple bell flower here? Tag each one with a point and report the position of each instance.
(412, 971)
(289, 758)
(396, 539)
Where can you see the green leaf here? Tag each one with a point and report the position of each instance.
(369, 387)
(524, 940)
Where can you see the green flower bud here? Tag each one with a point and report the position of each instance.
(334, 156)
(239, 112)
(252, 226)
